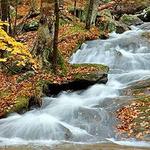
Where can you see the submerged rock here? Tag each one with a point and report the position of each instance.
(145, 26)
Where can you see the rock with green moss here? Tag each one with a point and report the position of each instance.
(21, 105)
(121, 27)
(25, 76)
(146, 35)
(105, 22)
(83, 76)
(97, 73)
(32, 25)
(131, 20)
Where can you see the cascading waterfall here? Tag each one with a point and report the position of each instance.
(85, 116)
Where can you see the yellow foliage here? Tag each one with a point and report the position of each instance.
(3, 59)
(15, 50)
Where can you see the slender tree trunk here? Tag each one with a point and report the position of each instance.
(55, 43)
(89, 14)
(16, 13)
(4, 11)
(75, 7)
(4, 17)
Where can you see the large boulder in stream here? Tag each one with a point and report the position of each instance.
(106, 23)
(83, 76)
(131, 20)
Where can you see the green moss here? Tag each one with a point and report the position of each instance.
(130, 19)
(62, 22)
(74, 29)
(82, 76)
(25, 76)
(31, 25)
(21, 103)
(4, 93)
(77, 29)
(99, 67)
(105, 22)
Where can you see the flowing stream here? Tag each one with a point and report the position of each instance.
(87, 116)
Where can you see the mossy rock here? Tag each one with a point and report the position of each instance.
(25, 76)
(4, 93)
(31, 25)
(121, 27)
(105, 22)
(145, 15)
(83, 76)
(96, 67)
(21, 105)
(131, 20)
(146, 35)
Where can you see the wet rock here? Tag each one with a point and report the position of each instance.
(131, 20)
(81, 84)
(145, 26)
(80, 80)
(24, 104)
(147, 138)
(34, 102)
(121, 27)
(137, 88)
(145, 15)
(146, 35)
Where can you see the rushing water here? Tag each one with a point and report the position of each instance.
(86, 117)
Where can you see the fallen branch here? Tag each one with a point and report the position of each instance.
(106, 6)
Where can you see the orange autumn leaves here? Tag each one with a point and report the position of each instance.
(135, 119)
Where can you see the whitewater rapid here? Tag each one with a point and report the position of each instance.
(86, 116)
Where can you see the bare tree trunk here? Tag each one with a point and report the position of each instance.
(4, 11)
(16, 13)
(55, 43)
(89, 14)
(75, 7)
